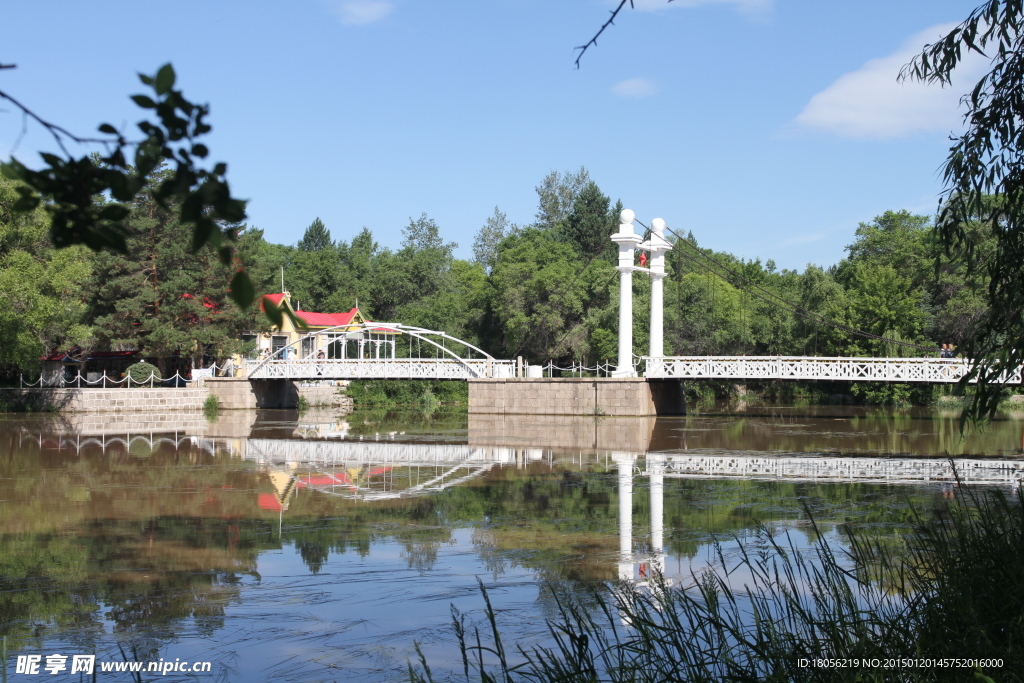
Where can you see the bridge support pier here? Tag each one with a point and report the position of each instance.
(611, 396)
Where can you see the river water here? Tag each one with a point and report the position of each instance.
(323, 548)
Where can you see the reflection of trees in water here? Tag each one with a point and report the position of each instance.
(160, 540)
(151, 586)
(852, 429)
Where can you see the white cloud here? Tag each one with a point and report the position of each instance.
(356, 12)
(635, 88)
(870, 104)
(745, 6)
(803, 239)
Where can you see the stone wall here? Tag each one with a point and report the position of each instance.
(191, 422)
(562, 432)
(326, 396)
(106, 400)
(239, 393)
(612, 396)
(233, 393)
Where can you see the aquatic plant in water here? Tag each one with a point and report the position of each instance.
(953, 593)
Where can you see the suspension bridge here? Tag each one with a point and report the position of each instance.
(396, 351)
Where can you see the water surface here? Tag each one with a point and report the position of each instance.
(321, 547)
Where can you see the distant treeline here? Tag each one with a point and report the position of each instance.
(544, 291)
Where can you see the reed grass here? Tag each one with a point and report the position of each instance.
(954, 590)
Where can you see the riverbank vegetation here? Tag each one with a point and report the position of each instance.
(422, 393)
(545, 291)
(944, 605)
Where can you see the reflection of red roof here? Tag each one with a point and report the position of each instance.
(268, 501)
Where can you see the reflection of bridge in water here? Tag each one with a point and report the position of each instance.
(368, 470)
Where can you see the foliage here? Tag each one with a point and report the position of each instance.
(211, 408)
(41, 287)
(488, 238)
(141, 373)
(985, 162)
(406, 393)
(161, 297)
(557, 195)
(545, 297)
(314, 271)
(201, 198)
(590, 224)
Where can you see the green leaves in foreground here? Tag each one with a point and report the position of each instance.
(68, 187)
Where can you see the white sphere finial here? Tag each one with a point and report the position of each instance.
(626, 216)
(658, 226)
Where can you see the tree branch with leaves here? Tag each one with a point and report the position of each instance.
(984, 184)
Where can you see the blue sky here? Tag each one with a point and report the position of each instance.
(769, 128)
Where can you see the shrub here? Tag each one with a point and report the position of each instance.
(141, 372)
(211, 408)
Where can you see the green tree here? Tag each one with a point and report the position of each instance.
(556, 196)
(313, 277)
(421, 268)
(485, 244)
(898, 239)
(356, 273)
(316, 238)
(42, 287)
(589, 225)
(986, 160)
(166, 166)
(545, 298)
(160, 296)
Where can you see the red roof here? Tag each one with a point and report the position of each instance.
(326, 319)
(272, 298)
(311, 318)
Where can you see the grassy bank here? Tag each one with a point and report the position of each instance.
(947, 606)
(389, 393)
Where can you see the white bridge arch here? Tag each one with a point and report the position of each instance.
(376, 356)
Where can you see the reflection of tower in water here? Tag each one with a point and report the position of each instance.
(643, 568)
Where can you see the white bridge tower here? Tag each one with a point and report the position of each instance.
(656, 246)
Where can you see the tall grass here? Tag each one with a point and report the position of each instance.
(954, 590)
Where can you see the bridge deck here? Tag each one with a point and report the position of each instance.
(934, 370)
(379, 368)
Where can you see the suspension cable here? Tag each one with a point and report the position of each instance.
(772, 298)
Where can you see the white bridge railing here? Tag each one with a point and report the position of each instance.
(946, 370)
(891, 470)
(379, 368)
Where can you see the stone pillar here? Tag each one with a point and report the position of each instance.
(658, 246)
(627, 241)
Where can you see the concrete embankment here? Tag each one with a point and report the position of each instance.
(612, 396)
(231, 393)
(105, 400)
